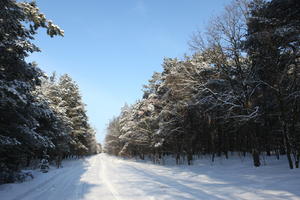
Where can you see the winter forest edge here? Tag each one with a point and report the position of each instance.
(238, 92)
(40, 115)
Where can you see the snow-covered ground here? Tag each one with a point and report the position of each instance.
(109, 178)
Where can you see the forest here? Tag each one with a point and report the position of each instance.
(238, 92)
(40, 115)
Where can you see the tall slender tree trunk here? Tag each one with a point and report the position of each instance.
(255, 151)
(256, 159)
(286, 140)
(287, 145)
(297, 160)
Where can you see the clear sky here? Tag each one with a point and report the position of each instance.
(112, 47)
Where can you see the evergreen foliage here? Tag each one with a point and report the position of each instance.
(239, 92)
(32, 110)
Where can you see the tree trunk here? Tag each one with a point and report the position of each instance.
(277, 154)
(213, 157)
(297, 160)
(189, 158)
(226, 154)
(255, 144)
(256, 160)
(177, 158)
(287, 146)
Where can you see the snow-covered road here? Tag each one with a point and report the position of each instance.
(79, 179)
(102, 177)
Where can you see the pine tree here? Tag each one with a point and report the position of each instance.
(50, 94)
(19, 119)
(273, 45)
(76, 113)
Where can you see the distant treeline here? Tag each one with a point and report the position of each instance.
(238, 92)
(38, 115)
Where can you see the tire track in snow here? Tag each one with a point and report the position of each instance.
(106, 182)
(40, 188)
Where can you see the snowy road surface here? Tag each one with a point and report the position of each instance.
(102, 177)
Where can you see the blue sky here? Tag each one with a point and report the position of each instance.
(111, 48)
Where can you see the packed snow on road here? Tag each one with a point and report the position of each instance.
(109, 178)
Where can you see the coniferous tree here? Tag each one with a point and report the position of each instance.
(239, 92)
(81, 132)
(20, 118)
(273, 43)
(49, 93)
